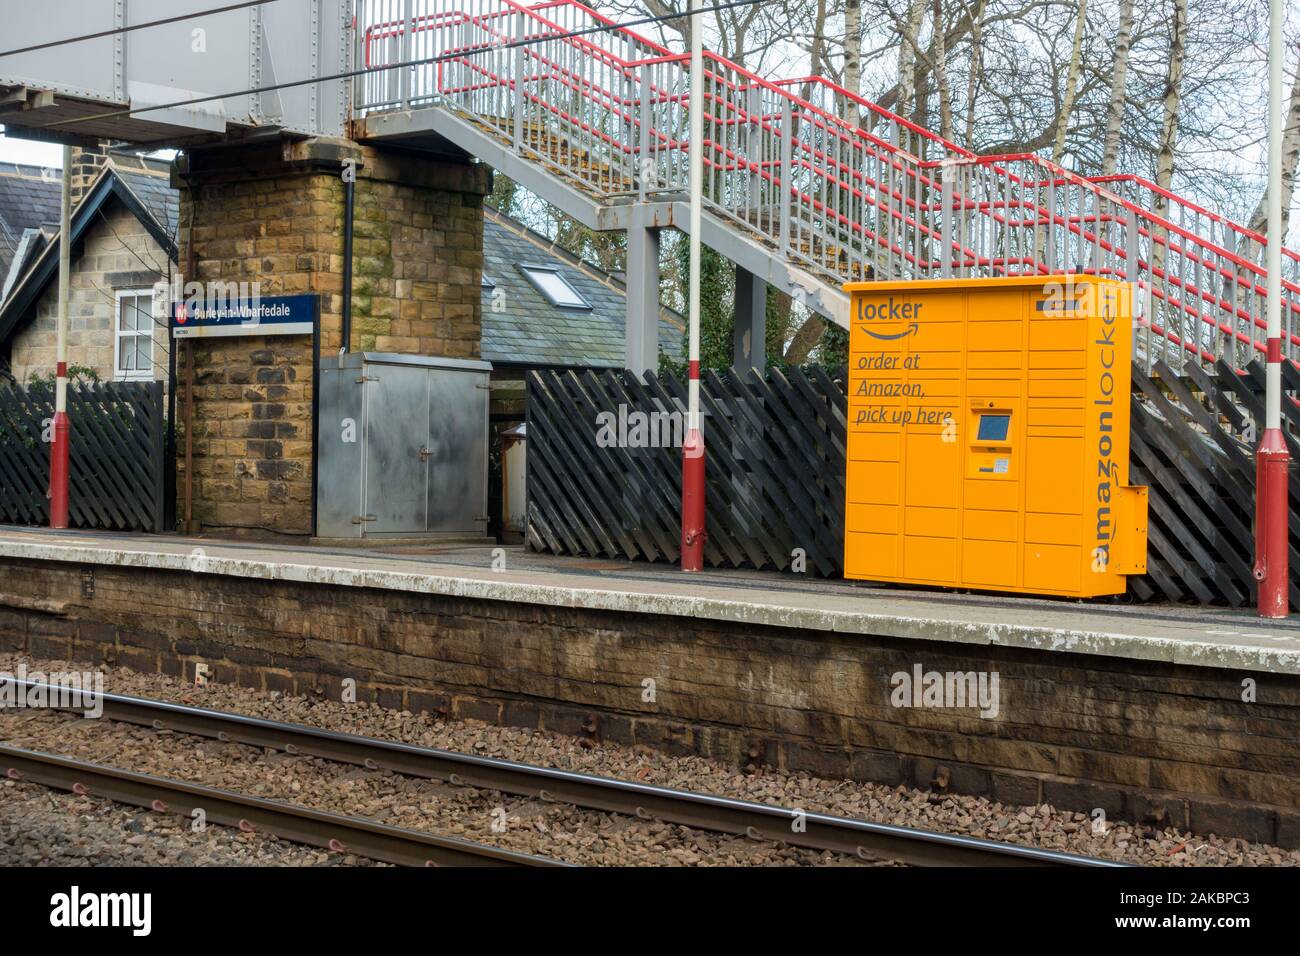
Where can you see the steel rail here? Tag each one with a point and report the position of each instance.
(795, 827)
(336, 832)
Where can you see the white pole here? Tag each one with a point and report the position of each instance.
(65, 266)
(59, 455)
(693, 465)
(697, 202)
(1272, 461)
(1276, 117)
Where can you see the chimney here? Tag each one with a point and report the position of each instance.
(87, 161)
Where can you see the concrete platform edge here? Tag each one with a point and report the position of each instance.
(1253, 657)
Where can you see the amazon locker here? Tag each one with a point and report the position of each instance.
(988, 436)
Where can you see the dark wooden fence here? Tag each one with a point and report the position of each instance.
(1193, 441)
(775, 476)
(117, 455)
(776, 447)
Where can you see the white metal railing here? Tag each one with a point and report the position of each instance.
(827, 180)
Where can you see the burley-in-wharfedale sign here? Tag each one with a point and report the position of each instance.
(262, 315)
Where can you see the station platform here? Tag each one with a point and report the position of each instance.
(1198, 637)
(1174, 715)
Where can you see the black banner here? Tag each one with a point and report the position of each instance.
(951, 909)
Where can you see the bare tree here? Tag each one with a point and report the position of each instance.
(1290, 156)
(805, 340)
(1118, 88)
(974, 75)
(1171, 104)
(1071, 83)
(908, 48)
(852, 56)
(940, 66)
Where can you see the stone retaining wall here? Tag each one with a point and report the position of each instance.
(1141, 740)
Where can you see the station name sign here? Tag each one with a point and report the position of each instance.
(262, 315)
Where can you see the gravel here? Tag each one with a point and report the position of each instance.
(561, 831)
(555, 830)
(40, 827)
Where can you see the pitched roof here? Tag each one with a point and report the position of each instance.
(133, 187)
(29, 199)
(522, 327)
(150, 181)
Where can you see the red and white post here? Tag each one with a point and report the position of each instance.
(62, 427)
(1271, 459)
(693, 533)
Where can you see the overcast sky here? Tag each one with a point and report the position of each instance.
(29, 152)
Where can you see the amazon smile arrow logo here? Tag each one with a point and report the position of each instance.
(889, 337)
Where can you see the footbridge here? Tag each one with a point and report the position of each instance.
(807, 185)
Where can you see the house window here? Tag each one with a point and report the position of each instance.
(133, 341)
(551, 283)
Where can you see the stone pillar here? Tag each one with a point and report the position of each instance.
(273, 214)
(87, 162)
(749, 334)
(641, 346)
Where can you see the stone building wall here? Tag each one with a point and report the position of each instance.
(119, 255)
(274, 215)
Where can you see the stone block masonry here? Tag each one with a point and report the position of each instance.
(273, 214)
(1142, 740)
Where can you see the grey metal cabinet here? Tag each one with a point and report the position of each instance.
(401, 444)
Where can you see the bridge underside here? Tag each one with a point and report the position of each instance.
(47, 116)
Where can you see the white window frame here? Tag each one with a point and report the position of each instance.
(528, 268)
(147, 375)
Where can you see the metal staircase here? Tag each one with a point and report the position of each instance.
(806, 184)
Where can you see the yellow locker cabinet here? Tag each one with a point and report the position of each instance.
(988, 438)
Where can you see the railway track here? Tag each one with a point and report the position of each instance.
(332, 831)
(865, 840)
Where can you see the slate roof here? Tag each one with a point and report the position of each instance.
(29, 199)
(525, 329)
(157, 195)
